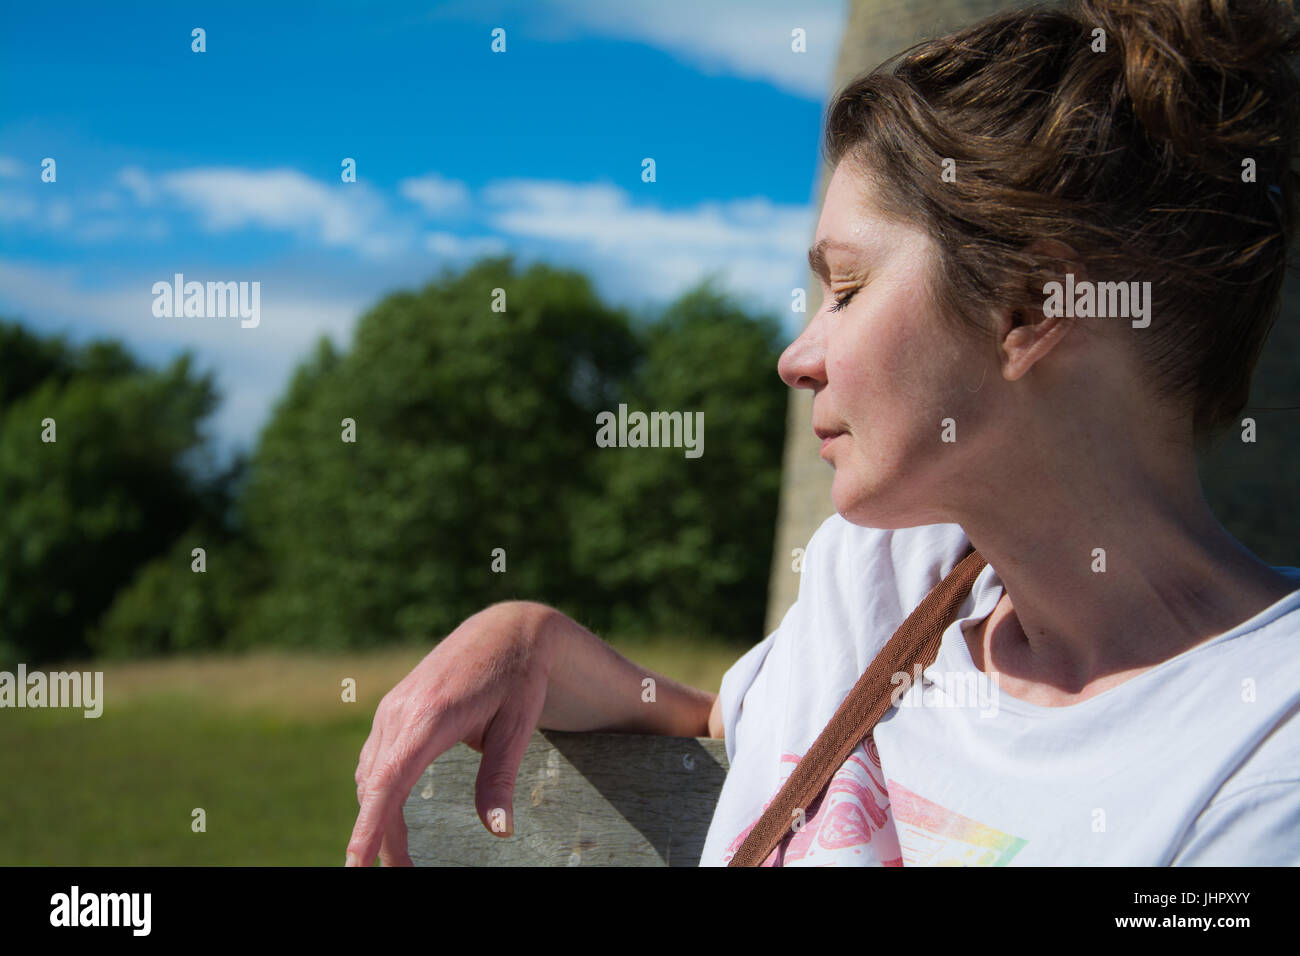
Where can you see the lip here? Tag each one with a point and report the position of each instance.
(827, 436)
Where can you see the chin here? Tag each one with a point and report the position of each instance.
(852, 502)
(867, 504)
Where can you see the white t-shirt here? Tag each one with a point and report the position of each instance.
(1194, 761)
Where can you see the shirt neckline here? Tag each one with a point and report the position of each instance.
(987, 591)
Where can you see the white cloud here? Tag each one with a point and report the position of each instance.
(750, 39)
(94, 218)
(104, 230)
(16, 208)
(252, 365)
(754, 245)
(137, 182)
(451, 246)
(104, 201)
(59, 214)
(228, 198)
(633, 249)
(435, 193)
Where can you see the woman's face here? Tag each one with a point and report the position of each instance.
(884, 370)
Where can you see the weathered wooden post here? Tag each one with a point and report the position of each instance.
(580, 800)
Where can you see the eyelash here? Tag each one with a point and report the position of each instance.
(842, 301)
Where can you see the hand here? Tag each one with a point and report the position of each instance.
(484, 684)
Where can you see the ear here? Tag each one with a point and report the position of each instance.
(1024, 333)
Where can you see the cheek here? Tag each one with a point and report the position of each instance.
(881, 370)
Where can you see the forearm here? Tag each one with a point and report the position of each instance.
(591, 687)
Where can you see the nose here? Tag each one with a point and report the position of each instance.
(803, 363)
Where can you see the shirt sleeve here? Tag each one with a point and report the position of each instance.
(735, 683)
(1256, 826)
(741, 676)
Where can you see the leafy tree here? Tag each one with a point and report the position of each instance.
(677, 543)
(27, 360)
(170, 606)
(473, 432)
(83, 512)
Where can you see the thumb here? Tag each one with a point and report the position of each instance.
(504, 744)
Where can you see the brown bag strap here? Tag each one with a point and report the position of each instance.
(916, 641)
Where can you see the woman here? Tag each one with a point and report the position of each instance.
(1051, 249)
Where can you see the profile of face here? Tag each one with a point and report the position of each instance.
(884, 370)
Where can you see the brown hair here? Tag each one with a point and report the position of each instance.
(1133, 157)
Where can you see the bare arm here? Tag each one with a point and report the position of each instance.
(594, 688)
(501, 674)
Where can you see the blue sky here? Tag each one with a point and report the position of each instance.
(225, 165)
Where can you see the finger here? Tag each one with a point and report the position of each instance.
(370, 751)
(382, 798)
(391, 780)
(504, 744)
(392, 852)
(374, 746)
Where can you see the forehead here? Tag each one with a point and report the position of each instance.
(849, 197)
(852, 226)
(849, 207)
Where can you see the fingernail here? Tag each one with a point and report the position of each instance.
(499, 820)
(353, 860)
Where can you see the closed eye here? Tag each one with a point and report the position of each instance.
(842, 301)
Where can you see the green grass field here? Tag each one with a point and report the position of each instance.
(262, 742)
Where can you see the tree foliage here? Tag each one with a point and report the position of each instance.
(475, 431)
(112, 491)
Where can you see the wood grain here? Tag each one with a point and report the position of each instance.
(580, 800)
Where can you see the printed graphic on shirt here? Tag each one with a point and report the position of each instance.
(849, 825)
(932, 835)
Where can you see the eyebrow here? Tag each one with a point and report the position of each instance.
(817, 256)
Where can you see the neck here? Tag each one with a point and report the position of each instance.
(1173, 576)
